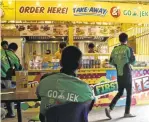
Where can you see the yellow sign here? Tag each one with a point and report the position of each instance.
(82, 11)
(7, 10)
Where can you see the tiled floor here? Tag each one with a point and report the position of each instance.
(97, 115)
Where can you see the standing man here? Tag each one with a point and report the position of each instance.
(91, 47)
(4, 45)
(58, 54)
(122, 56)
(9, 61)
(47, 57)
(13, 47)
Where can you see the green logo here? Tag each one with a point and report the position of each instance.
(136, 12)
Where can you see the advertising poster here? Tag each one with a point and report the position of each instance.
(106, 89)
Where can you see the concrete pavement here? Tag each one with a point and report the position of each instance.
(98, 115)
(141, 112)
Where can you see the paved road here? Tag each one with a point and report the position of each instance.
(141, 112)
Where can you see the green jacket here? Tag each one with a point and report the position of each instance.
(121, 57)
(59, 88)
(5, 64)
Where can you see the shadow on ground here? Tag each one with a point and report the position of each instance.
(109, 120)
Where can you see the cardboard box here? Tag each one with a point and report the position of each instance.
(21, 80)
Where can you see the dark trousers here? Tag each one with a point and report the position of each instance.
(42, 117)
(124, 82)
(6, 84)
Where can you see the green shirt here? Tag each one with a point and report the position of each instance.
(60, 88)
(15, 62)
(120, 56)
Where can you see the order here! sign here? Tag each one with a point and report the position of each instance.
(78, 11)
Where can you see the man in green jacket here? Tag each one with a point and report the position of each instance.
(121, 57)
(15, 62)
(4, 45)
(59, 88)
(6, 80)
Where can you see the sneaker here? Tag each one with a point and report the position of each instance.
(129, 115)
(107, 111)
(10, 116)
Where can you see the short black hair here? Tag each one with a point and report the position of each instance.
(13, 46)
(91, 45)
(4, 43)
(49, 51)
(62, 45)
(123, 37)
(71, 58)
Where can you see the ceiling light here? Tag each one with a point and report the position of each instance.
(37, 3)
(139, 7)
(9, 2)
(75, 6)
(59, 5)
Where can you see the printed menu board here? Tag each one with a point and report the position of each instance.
(90, 30)
(50, 30)
(60, 30)
(80, 30)
(42, 30)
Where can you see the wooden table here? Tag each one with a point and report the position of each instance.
(12, 95)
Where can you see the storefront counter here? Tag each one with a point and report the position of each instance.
(90, 76)
(104, 84)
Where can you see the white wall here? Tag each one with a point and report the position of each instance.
(81, 46)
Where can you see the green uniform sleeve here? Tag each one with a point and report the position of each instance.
(37, 92)
(112, 56)
(131, 56)
(15, 60)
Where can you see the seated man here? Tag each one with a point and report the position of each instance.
(59, 88)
